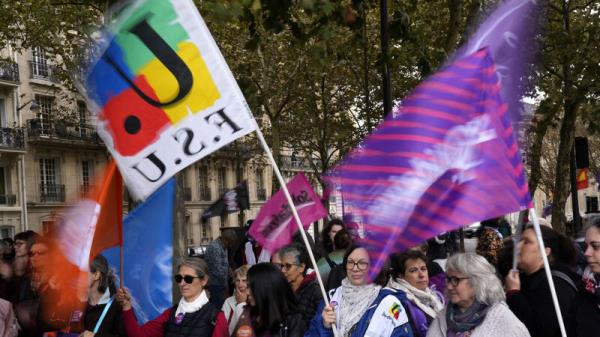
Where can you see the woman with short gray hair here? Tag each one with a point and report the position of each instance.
(476, 306)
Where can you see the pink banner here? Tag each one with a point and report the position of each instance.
(274, 225)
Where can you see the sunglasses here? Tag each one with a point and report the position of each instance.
(187, 278)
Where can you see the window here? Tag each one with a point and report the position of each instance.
(86, 176)
(205, 230)
(223, 220)
(3, 195)
(50, 190)
(203, 189)
(7, 232)
(261, 193)
(591, 204)
(82, 112)
(222, 180)
(47, 226)
(39, 65)
(2, 113)
(46, 104)
(239, 174)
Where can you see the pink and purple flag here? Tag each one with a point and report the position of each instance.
(448, 156)
(274, 225)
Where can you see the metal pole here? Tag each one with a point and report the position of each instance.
(385, 71)
(574, 194)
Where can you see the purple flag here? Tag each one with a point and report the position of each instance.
(274, 225)
(509, 34)
(444, 159)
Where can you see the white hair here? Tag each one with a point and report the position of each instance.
(482, 276)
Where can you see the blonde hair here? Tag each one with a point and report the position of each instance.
(241, 271)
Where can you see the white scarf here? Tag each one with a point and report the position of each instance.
(251, 257)
(354, 303)
(105, 297)
(186, 307)
(426, 300)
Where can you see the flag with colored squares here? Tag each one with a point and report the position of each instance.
(162, 92)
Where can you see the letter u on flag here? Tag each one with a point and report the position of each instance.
(274, 225)
(162, 92)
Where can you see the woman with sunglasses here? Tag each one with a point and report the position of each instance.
(588, 299)
(409, 274)
(476, 306)
(272, 306)
(194, 316)
(359, 307)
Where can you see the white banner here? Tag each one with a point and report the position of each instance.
(162, 93)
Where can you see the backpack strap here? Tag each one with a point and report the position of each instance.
(565, 278)
(330, 262)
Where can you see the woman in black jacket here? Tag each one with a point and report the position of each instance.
(588, 299)
(101, 303)
(528, 293)
(272, 306)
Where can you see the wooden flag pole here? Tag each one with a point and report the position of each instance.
(282, 182)
(538, 233)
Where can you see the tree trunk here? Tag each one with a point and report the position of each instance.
(455, 9)
(561, 185)
(535, 154)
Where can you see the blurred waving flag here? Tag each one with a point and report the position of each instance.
(161, 91)
(82, 231)
(445, 158)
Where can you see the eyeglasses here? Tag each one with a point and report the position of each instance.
(287, 266)
(362, 265)
(187, 278)
(36, 253)
(454, 280)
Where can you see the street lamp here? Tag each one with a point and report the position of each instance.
(34, 106)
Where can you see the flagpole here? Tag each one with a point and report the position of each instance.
(538, 233)
(282, 182)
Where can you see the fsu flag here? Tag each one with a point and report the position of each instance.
(274, 225)
(232, 201)
(162, 93)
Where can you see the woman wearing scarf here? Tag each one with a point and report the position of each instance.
(588, 299)
(476, 306)
(360, 308)
(194, 316)
(410, 275)
(102, 317)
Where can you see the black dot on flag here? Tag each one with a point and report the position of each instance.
(177, 161)
(132, 125)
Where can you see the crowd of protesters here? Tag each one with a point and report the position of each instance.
(429, 291)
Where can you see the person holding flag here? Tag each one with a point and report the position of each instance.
(194, 316)
(360, 307)
(102, 317)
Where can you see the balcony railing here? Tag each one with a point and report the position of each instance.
(12, 138)
(52, 193)
(9, 71)
(295, 163)
(187, 193)
(8, 199)
(261, 194)
(42, 71)
(204, 193)
(41, 128)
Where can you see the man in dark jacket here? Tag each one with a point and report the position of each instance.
(294, 265)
